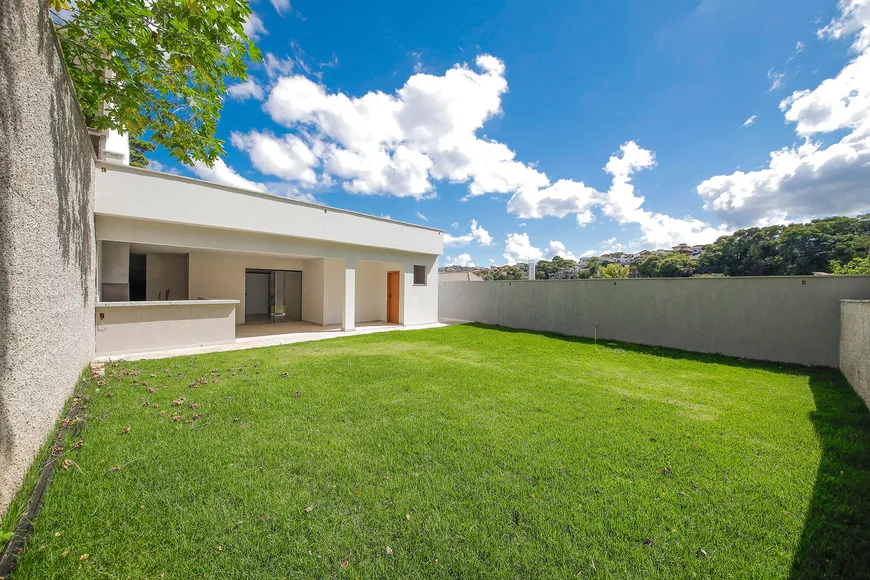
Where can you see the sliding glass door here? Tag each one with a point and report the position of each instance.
(285, 295)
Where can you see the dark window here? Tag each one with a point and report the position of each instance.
(419, 275)
(137, 277)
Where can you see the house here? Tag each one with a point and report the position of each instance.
(682, 248)
(697, 250)
(466, 276)
(183, 262)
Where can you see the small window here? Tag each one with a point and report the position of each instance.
(419, 275)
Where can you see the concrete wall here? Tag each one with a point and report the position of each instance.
(787, 319)
(855, 345)
(222, 276)
(47, 248)
(114, 271)
(124, 327)
(165, 272)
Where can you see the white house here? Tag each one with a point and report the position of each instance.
(183, 262)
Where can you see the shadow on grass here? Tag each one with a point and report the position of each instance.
(835, 542)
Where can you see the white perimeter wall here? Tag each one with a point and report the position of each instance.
(787, 319)
(855, 345)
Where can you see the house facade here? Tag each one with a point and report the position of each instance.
(182, 262)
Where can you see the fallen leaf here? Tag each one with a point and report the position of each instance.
(408, 517)
(309, 509)
(178, 402)
(125, 430)
(84, 556)
(64, 554)
(297, 394)
(345, 564)
(57, 534)
(152, 389)
(116, 468)
(389, 551)
(701, 553)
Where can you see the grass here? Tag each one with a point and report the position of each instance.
(471, 452)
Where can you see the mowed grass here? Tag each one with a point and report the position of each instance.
(470, 452)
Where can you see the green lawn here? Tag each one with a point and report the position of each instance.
(471, 452)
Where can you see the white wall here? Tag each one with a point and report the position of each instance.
(371, 290)
(137, 193)
(419, 304)
(333, 290)
(165, 271)
(222, 276)
(312, 291)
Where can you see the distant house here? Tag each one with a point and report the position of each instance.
(459, 277)
(683, 248)
(697, 250)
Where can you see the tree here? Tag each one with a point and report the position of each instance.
(615, 271)
(156, 67)
(794, 249)
(666, 266)
(558, 268)
(138, 149)
(855, 266)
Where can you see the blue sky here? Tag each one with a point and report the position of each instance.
(562, 127)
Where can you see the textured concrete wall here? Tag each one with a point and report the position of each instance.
(786, 319)
(46, 238)
(855, 345)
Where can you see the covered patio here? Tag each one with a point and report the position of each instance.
(206, 264)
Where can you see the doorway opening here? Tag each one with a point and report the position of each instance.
(273, 296)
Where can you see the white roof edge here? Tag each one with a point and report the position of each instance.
(269, 196)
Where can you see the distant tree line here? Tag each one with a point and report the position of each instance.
(836, 245)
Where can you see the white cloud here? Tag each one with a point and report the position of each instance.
(584, 218)
(254, 28)
(810, 179)
(460, 260)
(288, 157)
(281, 6)
(223, 174)
(750, 121)
(799, 47)
(558, 249)
(477, 233)
(454, 225)
(588, 254)
(518, 248)
(399, 144)
(776, 79)
(422, 217)
(246, 90)
(276, 67)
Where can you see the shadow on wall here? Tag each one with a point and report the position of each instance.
(22, 119)
(835, 542)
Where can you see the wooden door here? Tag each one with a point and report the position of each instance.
(393, 297)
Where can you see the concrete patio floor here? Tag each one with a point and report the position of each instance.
(261, 335)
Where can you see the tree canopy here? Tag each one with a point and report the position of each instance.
(794, 249)
(156, 67)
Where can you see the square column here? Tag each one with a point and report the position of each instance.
(348, 309)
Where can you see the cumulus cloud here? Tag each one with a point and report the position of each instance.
(246, 90)
(223, 174)
(460, 260)
(750, 121)
(287, 157)
(518, 248)
(400, 143)
(810, 179)
(254, 28)
(477, 233)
